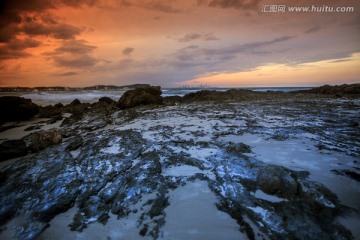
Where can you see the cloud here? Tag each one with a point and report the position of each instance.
(198, 36)
(127, 51)
(237, 4)
(75, 47)
(74, 54)
(15, 48)
(227, 53)
(161, 7)
(75, 61)
(313, 29)
(58, 31)
(65, 74)
(31, 18)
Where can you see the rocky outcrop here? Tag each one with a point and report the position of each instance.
(210, 95)
(276, 180)
(16, 109)
(51, 111)
(140, 96)
(44, 139)
(12, 149)
(337, 89)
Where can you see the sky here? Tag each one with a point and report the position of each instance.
(176, 43)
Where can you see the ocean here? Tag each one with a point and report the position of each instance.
(89, 96)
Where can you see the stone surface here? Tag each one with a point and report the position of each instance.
(12, 149)
(16, 109)
(140, 96)
(44, 139)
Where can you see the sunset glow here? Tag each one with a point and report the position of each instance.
(174, 43)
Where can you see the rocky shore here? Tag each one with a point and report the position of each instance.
(209, 165)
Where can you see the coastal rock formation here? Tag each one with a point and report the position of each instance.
(337, 89)
(140, 96)
(276, 180)
(12, 149)
(44, 139)
(16, 109)
(147, 171)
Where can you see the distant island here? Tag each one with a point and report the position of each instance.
(58, 88)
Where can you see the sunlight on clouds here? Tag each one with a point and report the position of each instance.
(308, 74)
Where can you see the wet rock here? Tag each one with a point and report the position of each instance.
(353, 175)
(12, 149)
(140, 96)
(51, 111)
(276, 180)
(44, 139)
(335, 90)
(210, 95)
(30, 231)
(75, 143)
(107, 100)
(16, 109)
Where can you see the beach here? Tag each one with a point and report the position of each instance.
(248, 165)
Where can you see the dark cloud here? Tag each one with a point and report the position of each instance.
(161, 7)
(127, 51)
(17, 44)
(65, 74)
(32, 17)
(190, 37)
(73, 53)
(15, 48)
(198, 36)
(313, 29)
(209, 54)
(75, 61)
(6, 53)
(58, 31)
(75, 47)
(237, 4)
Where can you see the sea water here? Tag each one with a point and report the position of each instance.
(90, 96)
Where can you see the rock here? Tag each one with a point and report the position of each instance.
(51, 111)
(210, 95)
(16, 109)
(44, 139)
(12, 149)
(106, 100)
(75, 143)
(140, 96)
(276, 180)
(335, 90)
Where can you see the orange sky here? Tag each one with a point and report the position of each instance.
(221, 43)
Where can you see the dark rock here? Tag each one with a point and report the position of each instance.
(44, 139)
(140, 96)
(16, 109)
(31, 128)
(75, 143)
(107, 100)
(75, 102)
(276, 180)
(210, 95)
(51, 111)
(12, 149)
(335, 90)
(171, 100)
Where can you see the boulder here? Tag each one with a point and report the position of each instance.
(276, 180)
(44, 139)
(140, 96)
(16, 109)
(51, 111)
(12, 149)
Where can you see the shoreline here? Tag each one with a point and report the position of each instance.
(149, 157)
